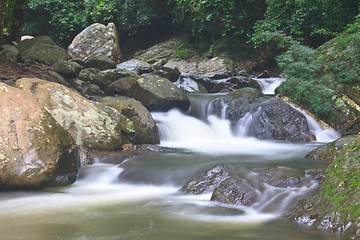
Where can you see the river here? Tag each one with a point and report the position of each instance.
(99, 206)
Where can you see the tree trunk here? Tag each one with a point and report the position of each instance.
(18, 15)
(2, 17)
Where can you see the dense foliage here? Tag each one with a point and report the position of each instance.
(311, 21)
(62, 20)
(217, 18)
(317, 79)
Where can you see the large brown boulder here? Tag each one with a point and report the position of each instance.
(91, 124)
(35, 151)
(96, 40)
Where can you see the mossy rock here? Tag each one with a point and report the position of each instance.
(336, 206)
(329, 151)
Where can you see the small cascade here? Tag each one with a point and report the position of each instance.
(268, 85)
(321, 134)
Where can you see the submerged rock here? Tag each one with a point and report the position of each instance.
(35, 151)
(335, 206)
(207, 181)
(234, 190)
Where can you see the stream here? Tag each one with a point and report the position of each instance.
(100, 206)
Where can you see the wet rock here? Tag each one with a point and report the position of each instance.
(265, 118)
(335, 206)
(96, 40)
(91, 124)
(172, 74)
(235, 190)
(41, 49)
(329, 151)
(136, 66)
(189, 85)
(145, 128)
(113, 157)
(280, 177)
(234, 83)
(159, 94)
(264, 74)
(207, 181)
(68, 69)
(35, 151)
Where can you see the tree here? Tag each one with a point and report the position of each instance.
(218, 18)
(311, 21)
(12, 13)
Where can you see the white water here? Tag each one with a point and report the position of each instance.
(268, 85)
(215, 137)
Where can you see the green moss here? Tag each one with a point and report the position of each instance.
(342, 183)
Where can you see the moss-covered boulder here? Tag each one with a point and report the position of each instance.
(336, 206)
(145, 129)
(35, 151)
(91, 124)
(159, 94)
(41, 49)
(328, 152)
(67, 69)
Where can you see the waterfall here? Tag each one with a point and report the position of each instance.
(207, 129)
(268, 85)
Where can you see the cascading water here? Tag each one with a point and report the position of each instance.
(268, 85)
(100, 206)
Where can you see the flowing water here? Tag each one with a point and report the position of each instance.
(100, 206)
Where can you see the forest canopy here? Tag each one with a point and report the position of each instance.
(264, 22)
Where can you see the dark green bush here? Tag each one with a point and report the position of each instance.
(317, 78)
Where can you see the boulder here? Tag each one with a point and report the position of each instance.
(88, 74)
(8, 54)
(264, 118)
(41, 49)
(189, 85)
(329, 151)
(172, 74)
(92, 125)
(122, 86)
(235, 190)
(96, 40)
(68, 69)
(145, 128)
(104, 78)
(159, 94)
(207, 181)
(335, 206)
(100, 62)
(136, 66)
(35, 151)
(235, 83)
(280, 177)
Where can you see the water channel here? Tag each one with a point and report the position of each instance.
(99, 206)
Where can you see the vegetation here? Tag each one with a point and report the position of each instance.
(318, 78)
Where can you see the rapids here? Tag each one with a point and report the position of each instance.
(101, 207)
